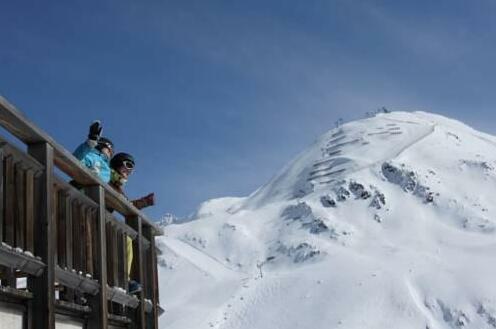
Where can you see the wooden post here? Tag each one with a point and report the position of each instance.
(30, 206)
(108, 237)
(98, 318)
(9, 201)
(20, 230)
(55, 233)
(42, 308)
(115, 257)
(152, 274)
(1, 193)
(82, 238)
(69, 261)
(61, 229)
(76, 245)
(139, 313)
(10, 195)
(124, 260)
(89, 241)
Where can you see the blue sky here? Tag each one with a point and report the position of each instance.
(214, 97)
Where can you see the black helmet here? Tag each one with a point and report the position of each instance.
(104, 142)
(122, 159)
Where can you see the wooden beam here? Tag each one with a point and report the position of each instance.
(9, 222)
(69, 260)
(71, 309)
(89, 241)
(13, 259)
(99, 315)
(139, 314)
(61, 230)
(76, 246)
(2, 193)
(20, 233)
(115, 257)
(122, 226)
(29, 197)
(42, 308)
(82, 239)
(153, 275)
(20, 156)
(55, 232)
(110, 246)
(74, 193)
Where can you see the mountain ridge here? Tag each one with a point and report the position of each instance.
(394, 210)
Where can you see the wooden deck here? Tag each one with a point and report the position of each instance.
(62, 253)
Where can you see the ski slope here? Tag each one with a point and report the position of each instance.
(386, 222)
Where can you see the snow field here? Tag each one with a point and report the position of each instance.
(386, 222)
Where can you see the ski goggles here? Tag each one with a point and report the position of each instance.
(129, 165)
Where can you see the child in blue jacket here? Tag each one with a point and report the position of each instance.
(96, 152)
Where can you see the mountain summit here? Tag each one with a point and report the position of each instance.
(386, 222)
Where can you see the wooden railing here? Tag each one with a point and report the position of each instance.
(63, 252)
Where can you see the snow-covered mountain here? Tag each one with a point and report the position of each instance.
(387, 222)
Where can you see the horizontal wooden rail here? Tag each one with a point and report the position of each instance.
(21, 127)
(19, 156)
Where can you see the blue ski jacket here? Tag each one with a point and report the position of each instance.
(93, 159)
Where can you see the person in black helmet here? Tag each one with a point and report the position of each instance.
(95, 152)
(122, 166)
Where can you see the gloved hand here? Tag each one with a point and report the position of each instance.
(145, 201)
(149, 199)
(95, 130)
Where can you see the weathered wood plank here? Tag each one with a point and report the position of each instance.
(9, 222)
(71, 309)
(20, 206)
(69, 260)
(122, 226)
(99, 316)
(115, 258)
(55, 232)
(125, 281)
(89, 242)
(20, 156)
(138, 274)
(42, 309)
(2, 187)
(74, 193)
(119, 297)
(76, 246)
(94, 238)
(9, 201)
(110, 246)
(13, 259)
(75, 281)
(156, 297)
(153, 275)
(82, 238)
(61, 230)
(29, 197)
(121, 255)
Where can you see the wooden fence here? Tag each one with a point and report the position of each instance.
(62, 253)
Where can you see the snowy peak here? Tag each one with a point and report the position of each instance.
(389, 215)
(348, 149)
